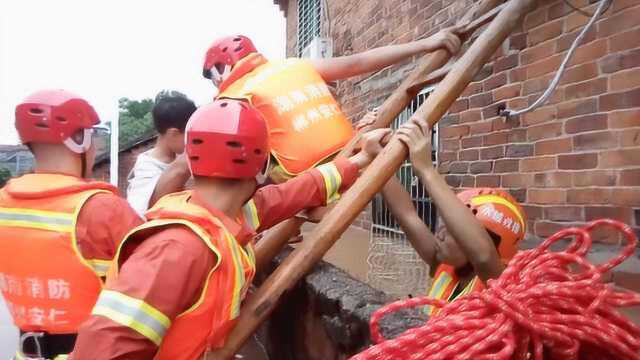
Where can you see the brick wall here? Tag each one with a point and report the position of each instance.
(573, 160)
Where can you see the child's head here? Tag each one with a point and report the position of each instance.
(501, 216)
(228, 140)
(170, 114)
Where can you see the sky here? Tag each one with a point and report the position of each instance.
(105, 50)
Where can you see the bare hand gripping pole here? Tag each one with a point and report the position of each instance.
(303, 258)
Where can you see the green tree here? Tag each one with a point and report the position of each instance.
(135, 121)
(135, 108)
(5, 175)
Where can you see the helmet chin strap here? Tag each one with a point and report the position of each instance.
(262, 177)
(218, 77)
(81, 149)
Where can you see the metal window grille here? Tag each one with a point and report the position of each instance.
(309, 15)
(394, 266)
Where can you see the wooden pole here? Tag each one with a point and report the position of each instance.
(304, 257)
(276, 238)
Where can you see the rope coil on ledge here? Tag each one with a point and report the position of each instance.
(544, 305)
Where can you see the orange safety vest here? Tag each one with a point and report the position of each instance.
(47, 284)
(206, 324)
(444, 286)
(306, 124)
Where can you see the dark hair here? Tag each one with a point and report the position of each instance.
(172, 112)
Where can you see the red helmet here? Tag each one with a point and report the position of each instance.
(226, 52)
(500, 214)
(53, 116)
(229, 139)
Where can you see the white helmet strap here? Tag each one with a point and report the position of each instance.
(80, 148)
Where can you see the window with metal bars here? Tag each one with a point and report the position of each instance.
(309, 15)
(383, 221)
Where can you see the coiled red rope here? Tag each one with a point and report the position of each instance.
(546, 304)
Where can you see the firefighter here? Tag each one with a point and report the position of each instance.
(58, 230)
(482, 226)
(306, 125)
(178, 280)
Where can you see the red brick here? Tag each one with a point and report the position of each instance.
(555, 179)
(450, 144)
(459, 168)
(556, 97)
(444, 167)
(470, 115)
(453, 180)
(586, 89)
(623, 214)
(459, 105)
(629, 177)
(546, 196)
(472, 142)
(545, 229)
(450, 119)
(624, 119)
(623, 4)
(630, 138)
(626, 196)
(565, 41)
(625, 80)
(589, 196)
(491, 153)
(545, 131)
(577, 107)
(447, 156)
(468, 181)
(495, 81)
(503, 123)
(454, 131)
(534, 19)
(547, 31)
(495, 138)
(492, 181)
(506, 92)
(578, 161)
(619, 158)
(595, 140)
(589, 52)
(517, 75)
(577, 20)
(538, 52)
(545, 66)
(517, 180)
(620, 61)
(533, 212)
(620, 22)
(519, 150)
(620, 100)
(517, 135)
(579, 73)
(472, 89)
(558, 10)
(480, 167)
(505, 165)
(536, 164)
(625, 40)
(480, 100)
(481, 127)
(555, 146)
(518, 41)
(493, 110)
(594, 178)
(564, 213)
(540, 115)
(505, 63)
(469, 155)
(586, 123)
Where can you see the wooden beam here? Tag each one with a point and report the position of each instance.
(305, 256)
(276, 238)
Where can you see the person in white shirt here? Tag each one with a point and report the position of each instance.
(170, 115)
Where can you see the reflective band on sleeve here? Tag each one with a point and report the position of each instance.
(332, 181)
(36, 219)
(100, 267)
(251, 214)
(132, 313)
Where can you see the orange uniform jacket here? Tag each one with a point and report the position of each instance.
(167, 270)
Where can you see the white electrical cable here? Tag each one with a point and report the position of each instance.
(554, 83)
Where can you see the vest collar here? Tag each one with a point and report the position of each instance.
(241, 68)
(43, 185)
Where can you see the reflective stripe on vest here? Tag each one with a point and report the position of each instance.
(36, 219)
(332, 181)
(100, 266)
(250, 213)
(132, 313)
(444, 285)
